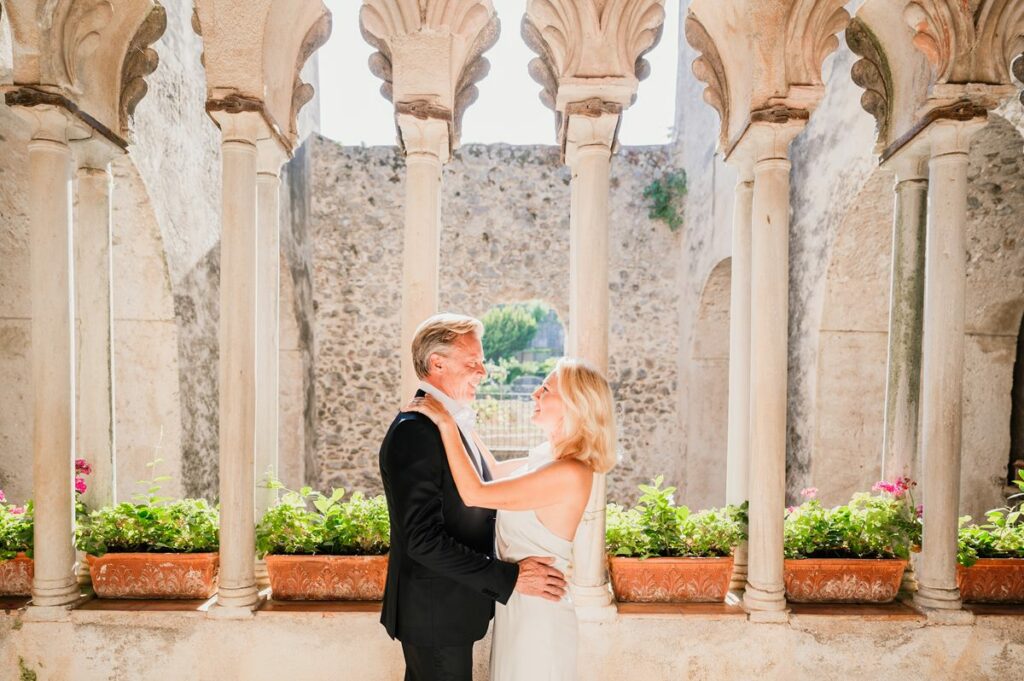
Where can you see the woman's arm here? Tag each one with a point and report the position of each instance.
(544, 487)
(499, 469)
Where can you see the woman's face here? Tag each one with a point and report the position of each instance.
(548, 408)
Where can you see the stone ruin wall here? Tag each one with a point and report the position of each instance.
(505, 238)
(840, 245)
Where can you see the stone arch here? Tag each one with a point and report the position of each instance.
(708, 403)
(853, 335)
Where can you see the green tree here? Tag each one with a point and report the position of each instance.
(508, 329)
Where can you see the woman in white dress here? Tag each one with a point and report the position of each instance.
(540, 501)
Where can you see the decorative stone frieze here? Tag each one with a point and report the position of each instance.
(872, 73)
(430, 54)
(708, 67)
(968, 43)
(89, 56)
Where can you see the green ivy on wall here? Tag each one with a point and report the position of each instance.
(666, 197)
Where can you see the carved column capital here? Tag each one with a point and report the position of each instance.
(592, 124)
(254, 52)
(424, 136)
(430, 51)
(95, 54)
(590, 50)
(765, 140)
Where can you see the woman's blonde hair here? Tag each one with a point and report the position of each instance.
(588, 425)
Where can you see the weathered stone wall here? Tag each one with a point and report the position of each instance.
(505, 238)
(840, 250)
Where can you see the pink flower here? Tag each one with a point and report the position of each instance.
(17, 510)
(82, 466)
(79, 485)
(809, 492)
(790, 509)
(919, 510)
(3, 497)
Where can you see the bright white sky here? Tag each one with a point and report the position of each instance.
(508, 109)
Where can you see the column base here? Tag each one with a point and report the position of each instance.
(938, 598)
(594, 603)
(946, 617)
(57, 595)
(235, 603)
(53, 613)
(765, 605)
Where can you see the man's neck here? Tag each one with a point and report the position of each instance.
(444, 392)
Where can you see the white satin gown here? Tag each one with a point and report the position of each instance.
(534, 639)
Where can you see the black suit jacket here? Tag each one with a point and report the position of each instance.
(443, 577)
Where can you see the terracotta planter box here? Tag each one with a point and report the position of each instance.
(154, 575)
(842, 580)
(327, 578)
(16, 576)
(992, 580)
(670, 580)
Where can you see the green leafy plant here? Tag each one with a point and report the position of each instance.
(17, 522)
(884, 524)
(656, 526)
(15, 529)
(665, 195)
(152, 524)
(509, 328)
(1002, 536)
(307, 522)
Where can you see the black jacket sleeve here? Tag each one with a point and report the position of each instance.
(414, 466)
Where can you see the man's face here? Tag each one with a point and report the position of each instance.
(459, 373)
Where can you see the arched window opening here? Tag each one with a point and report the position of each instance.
(522, 343)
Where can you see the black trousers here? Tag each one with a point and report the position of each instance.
(449, 663)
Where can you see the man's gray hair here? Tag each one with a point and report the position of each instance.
(437, 335)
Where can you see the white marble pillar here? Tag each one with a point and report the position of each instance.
(55, 584)
(764, 597)
(237, 594)
(96, 438)
(738, 448)
(93, 237)
(906, 300)
(945, 283)
(589, 140)
(426, 151)
(271, 156)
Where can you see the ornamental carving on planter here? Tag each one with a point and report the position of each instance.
(670, 580)
(154, 575)
(992, 580)
(838, 580)
(327, 578)
(16, 576)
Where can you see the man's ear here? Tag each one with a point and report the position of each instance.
(434, 362)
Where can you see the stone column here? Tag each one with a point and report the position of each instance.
(237, 594)
(906, 308)
(738, 450)
(95, 422)
(906, 299)
(268, 293)
(426, 151)
(55, 585)
(93, 284)
(765, 597)
(945, 284)
(588, 149)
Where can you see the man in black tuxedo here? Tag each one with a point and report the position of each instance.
(443, 577)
